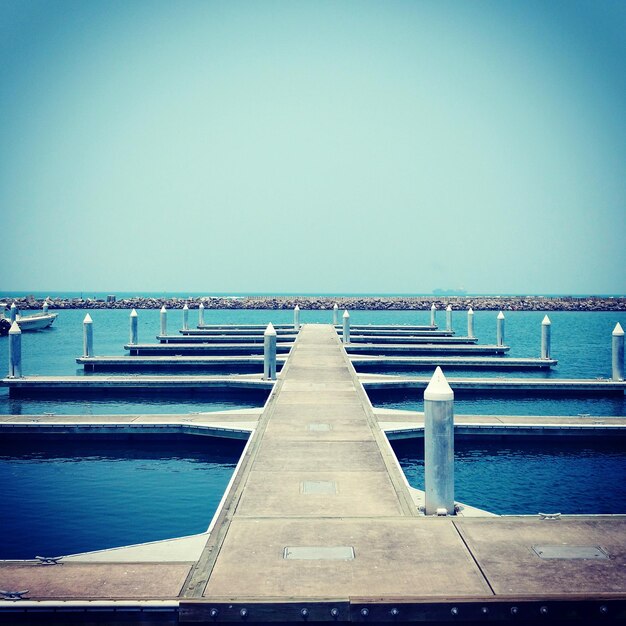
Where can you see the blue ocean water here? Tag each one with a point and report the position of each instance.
(495, 477)
(516, 477)
(63, 497)
(581, 341)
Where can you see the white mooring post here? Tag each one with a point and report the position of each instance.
(448, 318)
(201, 315)
(133, 327)
(269, 353)
(546, 326)
(618, 352)
(500, 329)
(470, 323)
(346, 327)
(185, 317)
(13, 312)
(433, 315)
(44, 307)
(15, 351)
(296, 318)
(439, 446)
(335, 314)
(163, 317)
(87, 336)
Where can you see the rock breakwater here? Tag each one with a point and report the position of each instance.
(382, 303)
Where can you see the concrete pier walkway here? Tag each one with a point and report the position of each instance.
(322, 503)
(321, 520)
(319, 525)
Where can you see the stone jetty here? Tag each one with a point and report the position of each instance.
(312, 302)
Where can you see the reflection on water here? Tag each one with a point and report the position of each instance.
(530, 477)
(129, 402)
(67, 497)
(509, 404)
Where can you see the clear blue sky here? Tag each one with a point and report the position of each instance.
(327, 146)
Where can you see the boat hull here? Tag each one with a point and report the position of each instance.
(35, 322)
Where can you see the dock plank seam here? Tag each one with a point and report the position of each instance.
(473, 556)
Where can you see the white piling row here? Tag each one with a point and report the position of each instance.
(546, 326)
(296, 318)
(346, 327)
(500, 329)
(335, 314)
(201, 315)
(133, 327)
(13, 312)
(163, 317)
(448, 318)
(439, 446)
(15, 351)
(185, 317)
(618, 352)
(433, 315)
(87, 336)
(269, 353)
(470, 323)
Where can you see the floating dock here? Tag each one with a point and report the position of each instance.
(389, 327)
(411, 339)
(319, 525)
(398, 332)
(378, 382)
(469, 362)
(202, 348)
(201, 338)
(240, 423)
(226, 332)
(126, 362)
(52, 384)
(380, 349)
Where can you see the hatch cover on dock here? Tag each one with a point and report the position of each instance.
(570, 552)
(319, 553)
(317, 427)
(318, 487)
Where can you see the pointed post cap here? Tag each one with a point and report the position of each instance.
(270, 330)
(13, 305)
(346, 314)
(438, 387)
(618, 330)
(201, 305)
(163, 309)
(15, 329)
(546, 321)
(470, 311)
(87, 319)
(448, 308)
(296, 308)
(133, 313)
(433, 307)
(335, 306)
(501, 315)
(186, 307)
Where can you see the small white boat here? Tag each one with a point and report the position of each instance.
(36, 321)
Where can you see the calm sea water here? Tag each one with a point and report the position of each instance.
(68, 497)
(136, 492)
(580, 341)
(520, 478)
